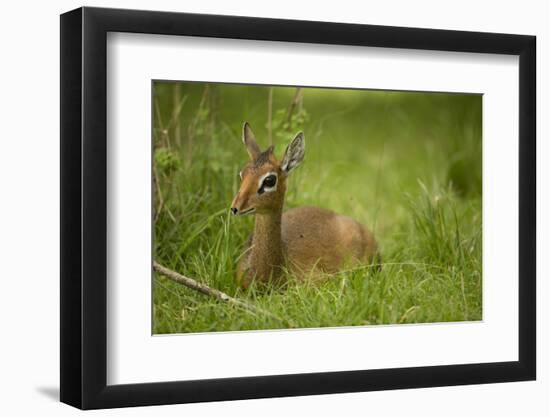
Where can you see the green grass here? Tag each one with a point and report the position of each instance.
(407, 165)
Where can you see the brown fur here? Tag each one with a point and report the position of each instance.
(311, 242)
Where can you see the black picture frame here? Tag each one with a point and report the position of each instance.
(84, 207)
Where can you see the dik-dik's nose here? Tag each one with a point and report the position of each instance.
(236, 204)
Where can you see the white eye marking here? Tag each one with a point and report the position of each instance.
(262, 188)
(241, 175)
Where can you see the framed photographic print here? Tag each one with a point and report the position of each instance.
(258, 207)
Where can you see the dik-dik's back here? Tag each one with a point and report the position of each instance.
(309, 241)
(315, 238)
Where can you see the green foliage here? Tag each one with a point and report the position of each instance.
(387, 159)
(287, 124)
(438, 227)
(166, 161)
(464, 149)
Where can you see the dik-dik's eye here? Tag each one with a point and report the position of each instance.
(267, 183)
(270, 181)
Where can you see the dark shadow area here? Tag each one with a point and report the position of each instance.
(49, 392)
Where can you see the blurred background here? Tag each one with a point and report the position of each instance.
(406, 164)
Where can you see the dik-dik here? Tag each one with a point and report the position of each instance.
(309, 242)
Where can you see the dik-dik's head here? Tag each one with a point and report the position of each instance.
(263, 179)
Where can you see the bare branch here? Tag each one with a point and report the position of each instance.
(295, 101)
(163, 131)
(178, 103)
(212, 292)
(161, 205)
(270, 116)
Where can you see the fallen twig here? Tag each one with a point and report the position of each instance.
(212, 292)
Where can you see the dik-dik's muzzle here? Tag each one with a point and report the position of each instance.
(239, 206)
(235, 205)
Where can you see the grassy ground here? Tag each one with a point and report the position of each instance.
(407, 165)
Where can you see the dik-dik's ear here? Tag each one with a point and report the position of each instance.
(250, 142)
(294, 153)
